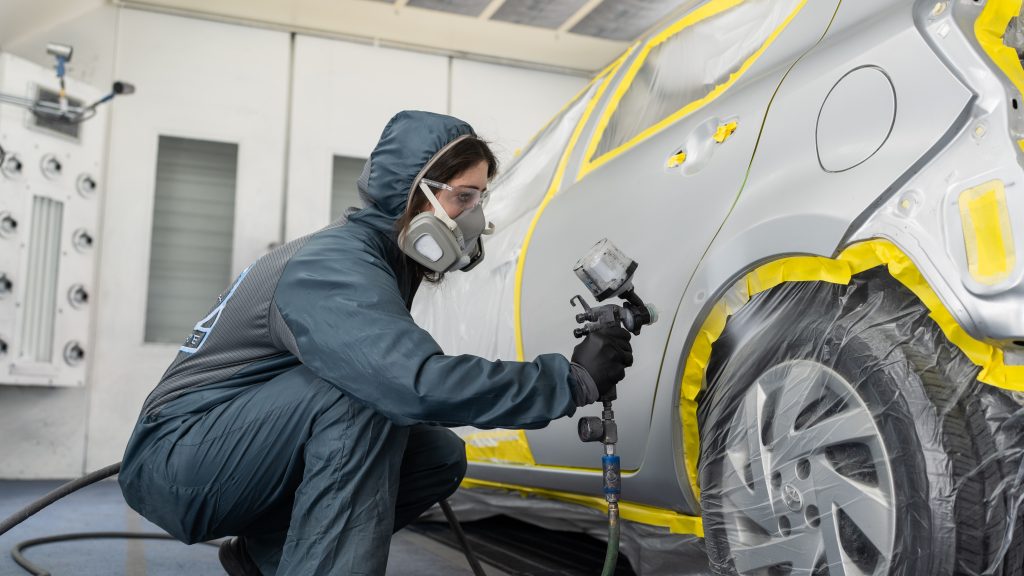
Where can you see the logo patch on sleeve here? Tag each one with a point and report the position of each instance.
(202, 330)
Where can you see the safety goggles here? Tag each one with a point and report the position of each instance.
(465, 197)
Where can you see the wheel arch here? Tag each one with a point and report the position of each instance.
(766, 273)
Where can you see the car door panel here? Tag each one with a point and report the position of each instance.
(665, 218)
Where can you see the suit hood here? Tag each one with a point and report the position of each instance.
(410, 142)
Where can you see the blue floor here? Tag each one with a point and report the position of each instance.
(100, 507)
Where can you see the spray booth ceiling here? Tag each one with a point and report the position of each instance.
(573, 35)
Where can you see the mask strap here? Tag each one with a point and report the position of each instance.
(438, 209)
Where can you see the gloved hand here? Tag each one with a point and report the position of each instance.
(604, 356)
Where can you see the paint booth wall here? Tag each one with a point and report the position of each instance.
(236, 139)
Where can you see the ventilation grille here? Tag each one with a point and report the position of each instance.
(625, 20)
(193, 231)
(41, 280)
(540, 13)
(464, 7)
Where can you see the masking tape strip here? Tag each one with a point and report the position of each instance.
(853, 260)
(990, 28)
(605, 77)
(710, 9)
(676, 523)
(568, 104)
(499, 447)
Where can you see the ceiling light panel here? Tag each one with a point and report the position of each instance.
(541, 13)
(624, 19)
(464, 7)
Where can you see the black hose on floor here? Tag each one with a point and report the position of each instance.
(35, 570)
(461, 537)
(108, 471)
(56, 494)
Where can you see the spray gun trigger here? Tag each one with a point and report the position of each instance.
(582, 302)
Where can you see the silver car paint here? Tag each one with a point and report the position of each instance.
(681, 214)
(789, 205)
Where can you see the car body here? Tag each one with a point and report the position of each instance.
(743, 146)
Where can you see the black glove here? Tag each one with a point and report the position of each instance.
(604, 356)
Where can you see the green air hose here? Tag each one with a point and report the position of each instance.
(611, 557)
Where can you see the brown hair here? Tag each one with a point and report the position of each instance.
(464, 155)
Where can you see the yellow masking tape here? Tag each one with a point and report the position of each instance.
(990, 28)
(988, 235)
(573, 100)
(605, 77)
(499, 447)
(725, 131)
(712, 8)
(853, 260)
(676, 160)
(676, 523)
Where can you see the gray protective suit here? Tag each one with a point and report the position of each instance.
(301, 412)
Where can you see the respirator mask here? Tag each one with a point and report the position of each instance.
(441, 243)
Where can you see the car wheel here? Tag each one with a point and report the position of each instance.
(839, 435)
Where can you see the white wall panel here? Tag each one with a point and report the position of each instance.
(195, 79)
(343, 94)
(508, 105)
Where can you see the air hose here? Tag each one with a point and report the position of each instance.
(108, 471)
(611, 557)
(605, 430)
(56, 494)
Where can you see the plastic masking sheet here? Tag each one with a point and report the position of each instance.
(651, 551)
(472, 313)
(684, 67)
(842, 433)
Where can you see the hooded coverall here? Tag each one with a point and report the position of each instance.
(302, 412)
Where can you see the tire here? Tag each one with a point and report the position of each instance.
(999, 443)
(842, 434)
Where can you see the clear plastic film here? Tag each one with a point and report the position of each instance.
(651, 550)
(472, 313)
(842, 433)
(687, 62)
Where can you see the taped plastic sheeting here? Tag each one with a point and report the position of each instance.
(686, 66)
(842, 432)
(496, 446)
(651, 550)
(522, 186)
(853, 260)
(473, 313)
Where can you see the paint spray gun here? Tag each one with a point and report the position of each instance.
(607, 273)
